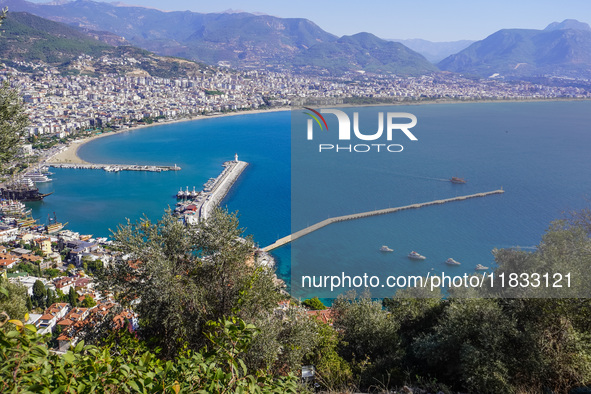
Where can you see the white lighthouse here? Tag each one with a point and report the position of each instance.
(235, 157)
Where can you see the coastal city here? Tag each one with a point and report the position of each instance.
(57, 266)
(155, 240)
(60, 105)
(60, 263)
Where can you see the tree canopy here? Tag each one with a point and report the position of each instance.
(13, 121)
(179, 277)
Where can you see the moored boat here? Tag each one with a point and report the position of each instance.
(416, 256)
(451, 261)
(36, 177)
(384, 248)
(53, 226)
(14, 208)
(22, 193)
(480, 267)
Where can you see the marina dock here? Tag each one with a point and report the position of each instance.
(285, 240)
(213, 192)
(115, 167)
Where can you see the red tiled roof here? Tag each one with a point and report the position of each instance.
(6, 262)
(324, 316)
(31, 257)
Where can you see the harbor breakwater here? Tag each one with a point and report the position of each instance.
(199, 208)
(115, 167)
(285, 240)
(221, 186)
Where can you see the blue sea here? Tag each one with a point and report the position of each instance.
(537, 151)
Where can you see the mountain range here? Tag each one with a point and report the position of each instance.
(27, 39)
(435, 51)
(561, 49)
(245, 40)
(238, 38)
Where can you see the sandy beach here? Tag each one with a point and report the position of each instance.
(69, 155)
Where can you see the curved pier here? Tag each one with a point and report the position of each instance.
(285, 240)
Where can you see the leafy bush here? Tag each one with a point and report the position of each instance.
(26, 365)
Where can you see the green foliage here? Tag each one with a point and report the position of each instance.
(51, 298)
(88, 302)
(31, 38)
(213, 92)
(93, 267)
(469, 345)
(12, 300)
(39, 294)
(73, 297)
(52, 272)
(333, 372)
(184, 277)
(284, 339)
(26, 365)
(34, 39)
(370, 337)
(29, 268)
(314, 304)
(563, 251)
(13, 121)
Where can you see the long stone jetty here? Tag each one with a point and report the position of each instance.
(285, 240)
(221, 186)
(200, 207)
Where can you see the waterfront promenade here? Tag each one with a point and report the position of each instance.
(285, 240)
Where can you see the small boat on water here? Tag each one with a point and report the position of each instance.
(416, 256)
(451, 261)
(384, 248)
(480, 267)
(455, 179)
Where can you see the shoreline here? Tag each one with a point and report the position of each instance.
(69, 154)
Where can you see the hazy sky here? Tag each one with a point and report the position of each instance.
(434, 20)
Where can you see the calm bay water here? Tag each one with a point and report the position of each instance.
(538, 152)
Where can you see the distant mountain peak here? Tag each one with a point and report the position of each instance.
(242, 39)
(56, 2)
(568, 24)
(562, 49)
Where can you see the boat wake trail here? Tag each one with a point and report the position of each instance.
(422, 177)
(387, 172)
